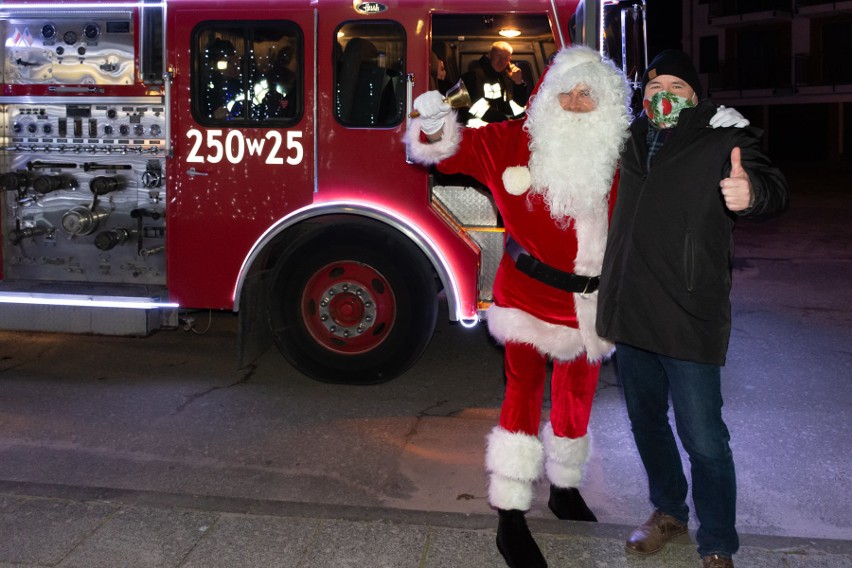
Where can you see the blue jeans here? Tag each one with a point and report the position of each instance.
(649, 379)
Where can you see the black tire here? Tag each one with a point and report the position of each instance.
(353, 305)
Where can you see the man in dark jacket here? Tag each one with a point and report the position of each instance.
(223, 85)
(664, 296)
(496, 87)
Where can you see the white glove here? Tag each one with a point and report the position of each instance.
(476, 122)
(726, 117)
(433, 109)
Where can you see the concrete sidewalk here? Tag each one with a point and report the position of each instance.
(62, 526)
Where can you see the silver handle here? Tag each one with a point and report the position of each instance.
(98, 90)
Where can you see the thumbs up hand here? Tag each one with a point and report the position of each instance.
(736, 188)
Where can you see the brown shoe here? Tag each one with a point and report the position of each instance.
(716, 561)
(652, 536)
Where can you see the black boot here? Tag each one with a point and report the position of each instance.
(567, 504)
(516, 543)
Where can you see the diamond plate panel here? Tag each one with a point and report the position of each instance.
(491, 245)
(471, 207)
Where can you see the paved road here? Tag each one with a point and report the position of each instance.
(170, 414)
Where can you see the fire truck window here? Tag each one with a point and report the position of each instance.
(275, 90)
(222, 80)
(369, 74)
(249, 74)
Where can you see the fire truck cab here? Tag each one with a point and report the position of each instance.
(248, 156)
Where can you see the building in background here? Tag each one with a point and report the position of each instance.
(785, 64)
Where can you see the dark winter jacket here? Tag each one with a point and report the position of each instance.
(666, 275)
(483, 74)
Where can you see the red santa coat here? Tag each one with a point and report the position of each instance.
(559, 324)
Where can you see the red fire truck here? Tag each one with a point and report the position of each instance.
(162, 156)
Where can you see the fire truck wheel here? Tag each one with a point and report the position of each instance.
(353, 307)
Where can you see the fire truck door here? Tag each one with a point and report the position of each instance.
(242, 129)
(361, 124)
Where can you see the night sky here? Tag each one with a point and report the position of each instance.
(664, 21)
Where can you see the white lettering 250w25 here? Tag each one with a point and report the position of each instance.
(234, 147)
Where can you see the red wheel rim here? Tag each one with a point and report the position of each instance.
(348, 307)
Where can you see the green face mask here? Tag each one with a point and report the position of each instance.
(663, 108)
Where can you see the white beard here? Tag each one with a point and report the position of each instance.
(573, 156)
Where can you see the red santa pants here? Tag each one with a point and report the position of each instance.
(572, 387)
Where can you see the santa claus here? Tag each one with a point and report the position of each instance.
(550, 175)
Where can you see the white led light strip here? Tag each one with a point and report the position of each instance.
(125, 302)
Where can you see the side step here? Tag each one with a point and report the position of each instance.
(89, 314)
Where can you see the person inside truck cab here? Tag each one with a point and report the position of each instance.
(438, 74)
(274, 92)
(223, 80)
(366, 86)
(496, 87)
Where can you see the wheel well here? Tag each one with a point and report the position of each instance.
(300, 234)
(253, 308)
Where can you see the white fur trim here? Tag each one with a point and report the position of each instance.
(586, 308)
(565, 457)
(591, 230)
(516, 179)
(591, 243)
(429, 154)
(515, 462)
(570, 57)
(514, 454)
(506, 493)
(514, 325)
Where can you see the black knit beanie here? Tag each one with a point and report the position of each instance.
(673, 62)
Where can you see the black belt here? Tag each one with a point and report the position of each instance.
(542, 272)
